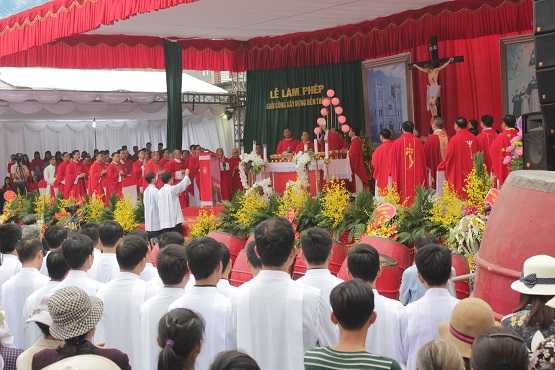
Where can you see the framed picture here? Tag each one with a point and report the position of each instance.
(387, 94)
(518, 74)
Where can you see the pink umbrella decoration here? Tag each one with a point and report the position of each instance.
(338, 110)
(330, 93)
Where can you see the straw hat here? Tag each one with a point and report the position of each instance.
(538, 276)
(41, 314)
(73, 313)
(84, 362)
(470, 318)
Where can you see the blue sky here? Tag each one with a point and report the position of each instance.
(9, 7)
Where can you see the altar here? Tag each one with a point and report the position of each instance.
(280, 173)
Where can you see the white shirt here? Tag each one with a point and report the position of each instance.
(44, 269)
(217, 312)
(149, 273)
(169, 207)
(150, 201)
(121, 321)
(278, 319)
(382, 335)
(80, 279)
(32, 332)
(49, 174)
(418, 322)
(105, 268)
(14, 293)
(226, 288)
(151, 313)
(9, 266)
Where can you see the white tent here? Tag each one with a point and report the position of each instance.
(51, 109)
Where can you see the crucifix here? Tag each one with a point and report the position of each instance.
(432, 68)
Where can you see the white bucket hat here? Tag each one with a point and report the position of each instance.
(538, 276)
(41, 314)
(84, 362)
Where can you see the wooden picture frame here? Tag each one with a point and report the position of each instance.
(519, 83)
(398, 108)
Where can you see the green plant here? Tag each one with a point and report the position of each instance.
(228, 221)
(310, 215)
(357, 216)
(140, 211)
(415, 220)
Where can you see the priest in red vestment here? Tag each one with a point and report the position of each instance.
(287, 144)
(153, 166)
(360, 178)
(137, 171)
(486, 139)
(382, 163)
(164, 157)
(305, 142)
(408, 164)
(498, 150)
(436, 148)
(96, 176)
(177, 167)
(335, 141)
(459, 159)
(125, 163)
(114, 177)
(59, 183)
(225, 175)
(234, 162)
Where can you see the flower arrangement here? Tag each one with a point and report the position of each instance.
(205, 223)
(124, 214)
(386, 230)
(477, 185)
(447, 209)
(515, 152)
(334, 203)
(293, 199)
(254, 163)
(93, 210)
(263, 187)
(391, 196)
(45, 207)
(466, 236)
(250, 203)
(301, 161)
(357, 216)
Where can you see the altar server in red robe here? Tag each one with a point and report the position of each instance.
(96, 175)
(499, 149)
(459, 159)
(165, 157)
(486, 139)
(436, 148)
(382, 163)
(137, 171)
(305, 142)
(60, 174)
(234, 162)
(225, 175)
(408, 164)
(153, 166)
(360, 177)
(74, 178)
(177, 167)
(114, 176)
(287, 144)
(335, 141)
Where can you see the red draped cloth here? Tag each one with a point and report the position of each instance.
(286, 145)
(459, 159)
(356, 159)
(485, 141)
(382, 165)
(436, 147)
(408, 166)
(96, 183)
(498, 152)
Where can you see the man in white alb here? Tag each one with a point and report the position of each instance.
(106, 266)
(54, 236)
(150, 202)
(224, 286)
(169, 208)
(49, 174)
(278, 319)
(10, 234)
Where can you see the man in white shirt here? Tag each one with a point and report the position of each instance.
(173, 270)
(150, 202)
(106, 267)
(123, 296)
(20, 286)
(10, 234)
(278, 318)
(54, 237)
(204, 256)
(57, 271)
(90, 229)
(79, 255)
(169, 209)
(418, 321)
(364, 264)
(49, 174)
(223, 285)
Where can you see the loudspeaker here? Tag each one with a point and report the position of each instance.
(538, 141)
(546, 85)
(544, 16)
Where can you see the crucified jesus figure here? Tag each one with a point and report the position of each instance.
(434, 89)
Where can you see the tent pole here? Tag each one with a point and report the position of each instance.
(174, 76)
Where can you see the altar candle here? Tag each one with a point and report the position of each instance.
(254, 145)
(242, 149)
(315, 146)
(265, 153)
(326, 150)
(305, 147)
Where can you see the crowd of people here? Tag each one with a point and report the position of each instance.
(96, 296)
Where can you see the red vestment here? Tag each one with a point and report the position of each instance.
(155, 168)
(356, 159)
(37, 166)
(382, 165)
(137, 173)
(163, 162)
(225, 179)
(498, 152)
(113, 180)
(485, 141)
(459, 159)
(286, 145)
(335, 141)
(174, 167)
(59, 175)
(127, 167)
(194, 169)
(436, 149)
(408, 166)
(96, 185)
(300, 147)
(235, 178)
(74, 187)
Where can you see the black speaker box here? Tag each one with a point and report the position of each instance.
(545, 50)
(539, 140)
(546, 85)
(544, 16)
